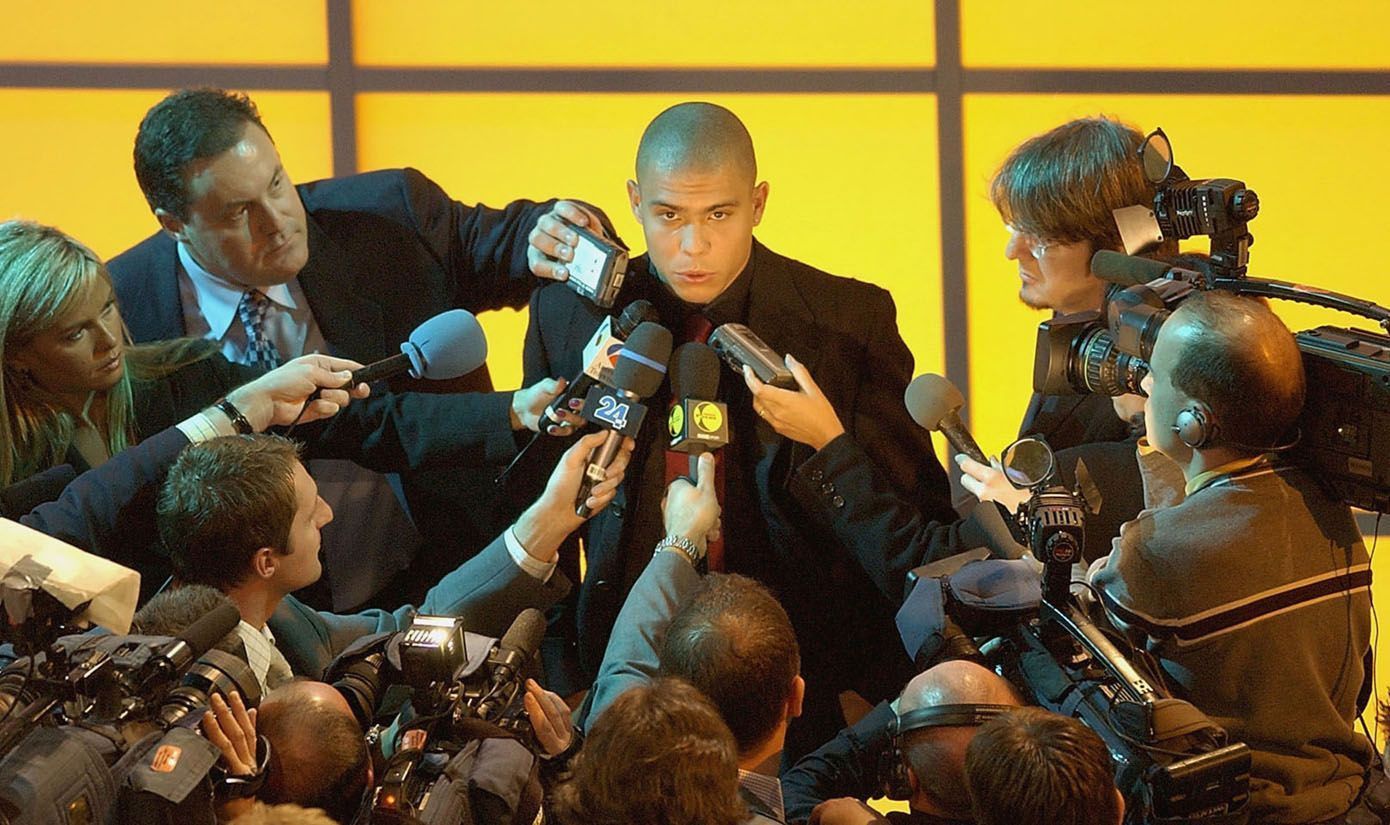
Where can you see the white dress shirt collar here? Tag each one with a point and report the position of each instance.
(219, 298)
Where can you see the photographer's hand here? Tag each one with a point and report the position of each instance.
(692, 510)
(989, 483)
(805, 416)
(550, 719)
(551, 242)
(232, 728)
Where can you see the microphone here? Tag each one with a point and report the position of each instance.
(698, 423)
(446, 346)
(934, 403)
(640, 369)
(1127, 270)
(600, 352)
(516, 648)
(191, 643)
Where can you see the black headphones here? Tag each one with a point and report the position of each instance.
(894, 772)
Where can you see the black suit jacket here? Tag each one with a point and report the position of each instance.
(845, 332)
(387, 250)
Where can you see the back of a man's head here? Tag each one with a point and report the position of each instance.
(187, 126)
(286, 814)
(1063, 184)
(936, 755)
(1033, 767)
(659, 753)
(319, 758)
(735, 643)
(1239, 359)
(222, 501)
(697, 135)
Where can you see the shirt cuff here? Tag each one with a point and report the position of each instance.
(536, 568)
(201, 427)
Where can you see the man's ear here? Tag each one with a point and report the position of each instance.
(264, 563)
(171, 224)
(634, 199)
(798, 695)
(759, 202)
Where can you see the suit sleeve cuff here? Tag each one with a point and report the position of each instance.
(537, 569)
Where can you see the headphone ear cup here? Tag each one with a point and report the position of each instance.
(1192, 427)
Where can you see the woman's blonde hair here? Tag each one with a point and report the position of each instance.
(44, 274)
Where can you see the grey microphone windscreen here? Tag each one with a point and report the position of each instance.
(930, 397)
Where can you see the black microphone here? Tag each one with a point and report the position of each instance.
(698, 423)
(190, 644)
(934, 403)
(1127, 270)
(516, 648)
(446, 346)
(611, 333)
(639, 372)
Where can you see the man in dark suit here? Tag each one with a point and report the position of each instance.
(351, 266)
(697, 197)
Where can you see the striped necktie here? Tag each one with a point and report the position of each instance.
(260, 350)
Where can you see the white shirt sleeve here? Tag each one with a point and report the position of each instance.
(542, 570)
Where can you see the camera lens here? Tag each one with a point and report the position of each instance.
(1098, 366)
(217, 672)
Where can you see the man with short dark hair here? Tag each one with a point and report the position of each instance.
(271, 270)
(697, 196)
(1033, 767)
(831, 785)
(1246, 581)
(243, 515)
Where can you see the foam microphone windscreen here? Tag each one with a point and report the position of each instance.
(633, 315)
(641, 365)
(209, 629)
(695, 372)
(526, 632)
(930, 398)
(1126, 270)
(446, 346)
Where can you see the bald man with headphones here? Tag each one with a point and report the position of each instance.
(1246, 581)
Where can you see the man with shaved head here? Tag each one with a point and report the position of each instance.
(1250, 585)
(836, 779)
(697, 195)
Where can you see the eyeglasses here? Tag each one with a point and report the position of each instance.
(1037, 247)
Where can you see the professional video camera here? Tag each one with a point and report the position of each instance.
(1348, 370)
(97, 728)
(1173, 764)
(464, 710)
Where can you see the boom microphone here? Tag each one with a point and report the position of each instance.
(1127, 270)
(612, 332)
(518, 645)
(192, 642)
(446, 346)
(639, 372)
(934, 403)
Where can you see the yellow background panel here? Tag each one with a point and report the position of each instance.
(70, 156)
(244, 32)
(618, 33)
(1181, 34)
(853, 183)
(1295, 152)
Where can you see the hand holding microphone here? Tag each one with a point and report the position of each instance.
(934, 403)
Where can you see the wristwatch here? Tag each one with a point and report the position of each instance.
(688, 548)
(239, 422)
